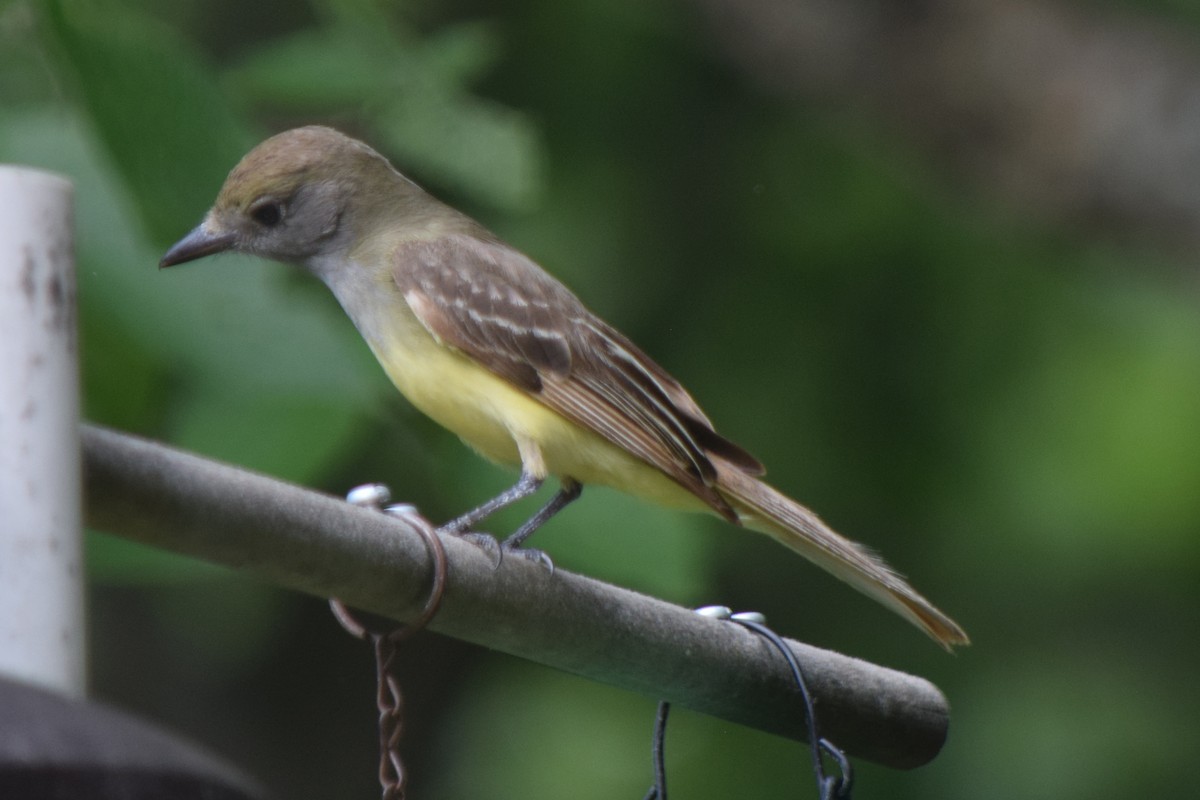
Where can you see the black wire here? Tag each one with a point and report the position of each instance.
(659, 790)
(841, 786)
(810, 713)
(828, 787)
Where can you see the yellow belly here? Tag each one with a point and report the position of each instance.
(491, 415)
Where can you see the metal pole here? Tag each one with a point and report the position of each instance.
(41, 554)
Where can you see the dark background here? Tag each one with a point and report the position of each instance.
(933, 263)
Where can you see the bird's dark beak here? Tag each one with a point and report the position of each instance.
(197, 244)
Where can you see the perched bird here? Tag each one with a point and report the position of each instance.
(481, 339)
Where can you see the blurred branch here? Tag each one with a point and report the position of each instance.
(1087, 115)
(326, 547)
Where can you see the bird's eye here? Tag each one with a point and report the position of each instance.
(267, 213)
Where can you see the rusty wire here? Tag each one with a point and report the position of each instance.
(386, 644)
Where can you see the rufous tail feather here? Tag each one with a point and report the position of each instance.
(768, 511)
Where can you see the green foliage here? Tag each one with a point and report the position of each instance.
(140, 82)
(606, 752)
(409, 95)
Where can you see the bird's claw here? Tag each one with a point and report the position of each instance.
(484, 541)
(530, 554)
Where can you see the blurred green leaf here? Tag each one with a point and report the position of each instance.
(412, 95)
(25, 79)
(290, 436)
(311, 70)
(138, 402)
(460, 54)
(170, 131)
(480, 149)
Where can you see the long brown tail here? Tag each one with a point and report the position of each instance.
(768, 511)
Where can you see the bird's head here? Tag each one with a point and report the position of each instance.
(301, 194)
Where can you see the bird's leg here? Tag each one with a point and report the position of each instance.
(568, 493)
(527, 485)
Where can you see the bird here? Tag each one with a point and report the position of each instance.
(488, 344)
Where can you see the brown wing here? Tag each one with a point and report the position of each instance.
(504, 311)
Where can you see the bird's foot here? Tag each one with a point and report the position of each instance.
(496, 550)
(375, 496)
(529, 554)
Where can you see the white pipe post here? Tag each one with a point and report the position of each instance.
(41, 545)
